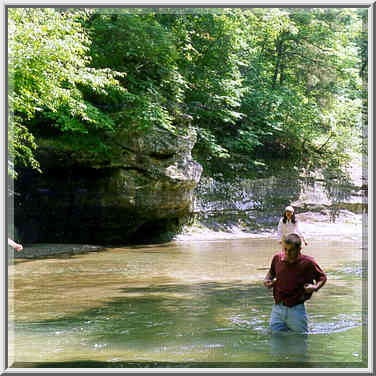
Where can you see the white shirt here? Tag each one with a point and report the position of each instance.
(287, 228)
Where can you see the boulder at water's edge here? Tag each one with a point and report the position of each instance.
(143, 192)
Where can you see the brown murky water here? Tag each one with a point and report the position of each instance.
(181, 302)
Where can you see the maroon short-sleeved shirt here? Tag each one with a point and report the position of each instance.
(291, 278)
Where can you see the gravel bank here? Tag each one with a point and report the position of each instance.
(36, 251)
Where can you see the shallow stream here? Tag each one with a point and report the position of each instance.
(182, 304)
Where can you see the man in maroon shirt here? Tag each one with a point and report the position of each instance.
(294, 277)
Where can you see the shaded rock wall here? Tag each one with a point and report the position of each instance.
(259, 203)
(142, 193)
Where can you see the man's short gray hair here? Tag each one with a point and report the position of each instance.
(294, 239)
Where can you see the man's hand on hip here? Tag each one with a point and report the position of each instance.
(310, 288)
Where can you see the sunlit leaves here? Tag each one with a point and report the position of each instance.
(48, 63)
(250, 80)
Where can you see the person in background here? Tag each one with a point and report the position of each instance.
(289, 224)
(15, 245)
(294, 277)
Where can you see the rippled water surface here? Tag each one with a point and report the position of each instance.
(183, 303)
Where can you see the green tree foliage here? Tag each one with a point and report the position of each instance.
(48, 68)
(256, 84)
(362, 46)
(208, 46)
(301, 80)
(145, 52)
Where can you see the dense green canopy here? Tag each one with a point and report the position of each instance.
(256, 84)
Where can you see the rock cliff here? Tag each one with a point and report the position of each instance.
(143, 192)
(257, 204)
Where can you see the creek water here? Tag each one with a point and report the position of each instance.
(182, 303)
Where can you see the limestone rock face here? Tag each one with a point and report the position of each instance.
(142, 192)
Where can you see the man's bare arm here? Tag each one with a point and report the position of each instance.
(269, 281)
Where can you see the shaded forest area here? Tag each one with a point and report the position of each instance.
(257, 85)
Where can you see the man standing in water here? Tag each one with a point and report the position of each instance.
(294, 277)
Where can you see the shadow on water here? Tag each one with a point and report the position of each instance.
(213, 305)
(164, 311)
(230, 317)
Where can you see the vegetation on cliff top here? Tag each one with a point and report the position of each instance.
(256, 84)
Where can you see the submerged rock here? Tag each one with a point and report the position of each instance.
(143, 192)
(47, 250)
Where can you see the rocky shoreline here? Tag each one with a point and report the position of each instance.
(315, 225)
(349, 226)
(45, 250)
